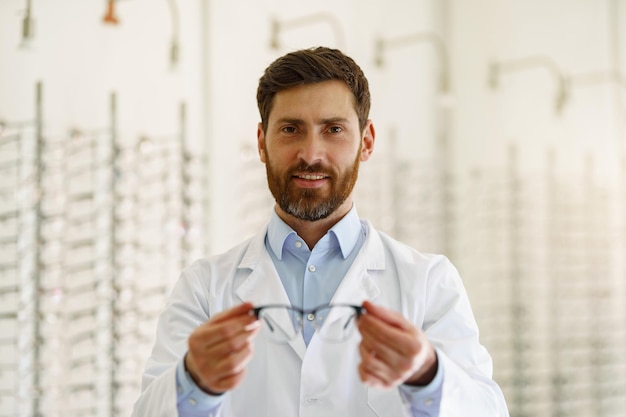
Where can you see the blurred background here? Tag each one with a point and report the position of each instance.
(127, 150)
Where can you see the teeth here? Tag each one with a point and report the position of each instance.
(311, 177)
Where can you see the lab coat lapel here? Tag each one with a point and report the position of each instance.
(263, 285)
(358, 284)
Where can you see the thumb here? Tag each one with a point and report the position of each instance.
(388, 316)
(239, 310)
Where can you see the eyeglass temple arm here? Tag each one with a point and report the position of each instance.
(255, 312)
(359, 312)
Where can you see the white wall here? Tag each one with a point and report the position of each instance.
(576, 36)
(81, 61)
(239, 51)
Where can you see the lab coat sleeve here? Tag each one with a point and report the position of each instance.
(468, 387)
(187, 308)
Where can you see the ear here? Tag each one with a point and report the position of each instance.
(260, 136)
(367, 145)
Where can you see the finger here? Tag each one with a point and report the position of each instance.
(381, 364)
(211, 345)
(229, 382)
(383, 353)
(372, 375)
(221, 363)
(211, 333)
(375, 369)
(221, 347)
(388, 316)
(374, 381)
(379, 333)
(397, 350)
(207, 354)
(370, 358)
(237, 311)
(232, 362)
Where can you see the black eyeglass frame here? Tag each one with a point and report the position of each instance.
(359, 310)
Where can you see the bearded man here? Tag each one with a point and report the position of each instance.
(319, 314)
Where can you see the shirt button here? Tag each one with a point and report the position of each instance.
(192, 401)
(428, 402)
(310, 317)
(298, 244)
(312, 268)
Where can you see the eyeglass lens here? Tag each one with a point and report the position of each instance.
(333, 323)
(282, 324)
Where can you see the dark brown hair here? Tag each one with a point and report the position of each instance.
(308, 66)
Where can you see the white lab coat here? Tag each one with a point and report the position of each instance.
(292, 380)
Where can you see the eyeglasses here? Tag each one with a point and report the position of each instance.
(332, 322)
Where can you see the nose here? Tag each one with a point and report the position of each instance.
(312, 149)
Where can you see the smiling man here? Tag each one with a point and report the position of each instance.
(319, 314)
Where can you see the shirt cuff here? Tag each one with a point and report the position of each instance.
(425, 400)
(191, 400)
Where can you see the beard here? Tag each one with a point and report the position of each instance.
(311, 204)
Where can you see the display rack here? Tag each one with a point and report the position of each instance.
(94, 230)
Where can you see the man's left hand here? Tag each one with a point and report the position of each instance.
(393, 351)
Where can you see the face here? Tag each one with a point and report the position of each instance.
(312, 149)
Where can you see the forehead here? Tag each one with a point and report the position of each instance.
(323, 99)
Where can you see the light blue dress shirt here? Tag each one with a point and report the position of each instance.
(310, 278)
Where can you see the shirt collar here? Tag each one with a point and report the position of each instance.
(346, 233)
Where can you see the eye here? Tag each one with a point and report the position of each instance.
(335, 129)
(289, 129)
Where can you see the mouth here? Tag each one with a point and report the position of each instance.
(307, 180)
(310, 177)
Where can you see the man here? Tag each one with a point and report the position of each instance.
(242, 334)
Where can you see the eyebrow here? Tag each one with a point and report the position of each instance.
(326, 121)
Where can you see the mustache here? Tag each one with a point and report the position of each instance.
(315, 168)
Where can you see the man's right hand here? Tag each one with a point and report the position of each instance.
(220, 349)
